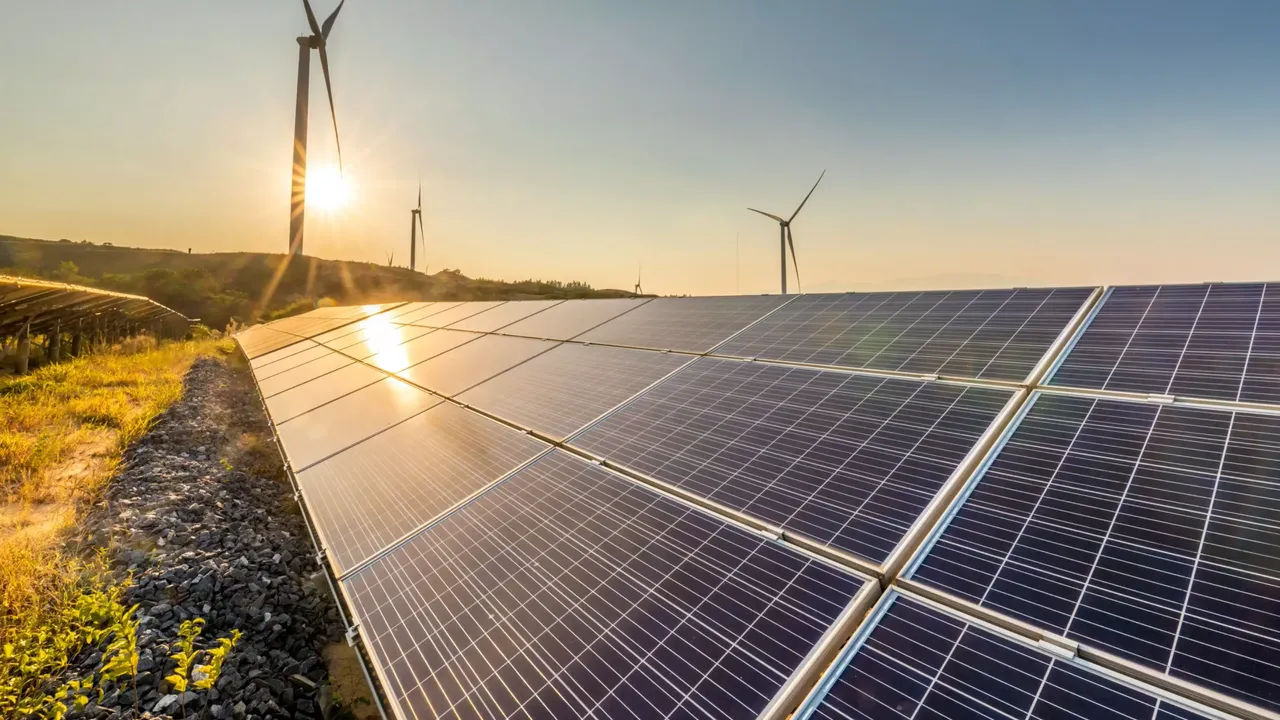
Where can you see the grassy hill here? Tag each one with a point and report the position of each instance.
(220, 287)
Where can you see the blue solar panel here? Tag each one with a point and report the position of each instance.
(916, 661)
(988, 334)
(1150, 531)
(566, 591)
(847, 460)
(1220, 342)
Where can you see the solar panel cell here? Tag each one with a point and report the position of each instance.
(473, 362)
(689, 324)
(988, 334)
(917, 661)
(566, 591)
(848, 460)
(314, 393)
(274, 384)
(572, 318)
(560, 391)
(503, 315)
(368, 496)
(448, 316)
(328, 429)
(1149, 531)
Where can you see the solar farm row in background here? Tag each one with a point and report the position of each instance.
(685, 507)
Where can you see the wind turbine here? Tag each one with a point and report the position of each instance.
(784, 227)
(415, 223)
(638, 291)
(315, 41)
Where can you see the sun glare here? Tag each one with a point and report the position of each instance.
(326, 189)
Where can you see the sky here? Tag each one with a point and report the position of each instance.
(967, 144)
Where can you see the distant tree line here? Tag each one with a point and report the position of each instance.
(249, 287)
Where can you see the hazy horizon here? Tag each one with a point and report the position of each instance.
(998, 143)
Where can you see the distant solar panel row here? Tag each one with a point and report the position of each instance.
(494, 576)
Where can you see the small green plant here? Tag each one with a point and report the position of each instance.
(186, 655)
(190, 675)
(121, 656)
(206, 675)
(226, 464)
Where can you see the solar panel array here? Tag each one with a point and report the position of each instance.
(1023, 503)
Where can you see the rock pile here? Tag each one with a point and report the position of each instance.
(203, 538)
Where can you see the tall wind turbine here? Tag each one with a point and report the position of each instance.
(415, 224)
(784, 228)
(315, 41)
(638, 291)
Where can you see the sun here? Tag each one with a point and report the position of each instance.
(326, 189)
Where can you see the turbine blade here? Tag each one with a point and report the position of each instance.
(794, 263)
(422, 237)
(419, 197)
(311, 18)
(324, 66)
(806, 197)
(768, 215)
(328, 22)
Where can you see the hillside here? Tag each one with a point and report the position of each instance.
(220, 287)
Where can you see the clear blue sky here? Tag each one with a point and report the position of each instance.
(967, 143)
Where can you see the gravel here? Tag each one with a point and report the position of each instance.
(203, 538)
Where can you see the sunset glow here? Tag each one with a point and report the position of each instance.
(327, 189)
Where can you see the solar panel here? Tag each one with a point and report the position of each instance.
(258, 341)
(847, 460)
(560, 391)
(365, 498)
(913, 660)
(572, 318)
(1149, 531)
(272, 384)
(330, 428)
(988, 334)
(689, 324)
(473, 363)
(423, 311)
(461, 311)
(382, 340)
(396, 358)
(314, 393)
(503, 315)
(278, 359)
(566, 591)
(1220, 342)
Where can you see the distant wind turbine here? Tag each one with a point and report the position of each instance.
(391, 259)
(317, 40)
(638, 290)
(415, 223)
(784, 227)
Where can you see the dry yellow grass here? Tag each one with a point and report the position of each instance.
(63, 430)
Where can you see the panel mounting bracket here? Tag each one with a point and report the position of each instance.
(1060, 647)
(931, 377)
(352, 633)
(1161, 399)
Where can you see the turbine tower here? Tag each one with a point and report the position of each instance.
(784, 229)
(415, 223)
(315, 41)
